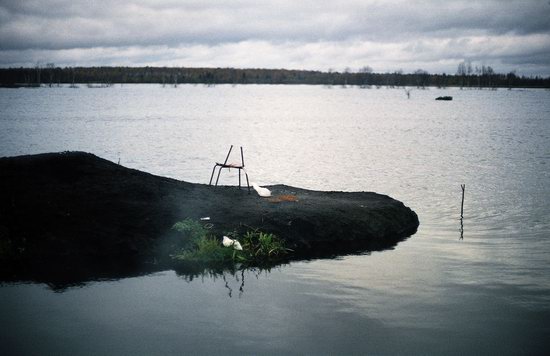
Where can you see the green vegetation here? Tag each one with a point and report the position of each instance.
(467, 75)
(198, 246)
(259, 245)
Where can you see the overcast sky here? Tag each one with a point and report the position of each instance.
(297, 34)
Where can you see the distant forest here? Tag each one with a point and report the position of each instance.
(466, 76)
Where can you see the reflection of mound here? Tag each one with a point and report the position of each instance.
(233, 279)
(75, 212)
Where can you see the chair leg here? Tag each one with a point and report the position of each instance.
(218, 178)
(212, 176)
(247, 183)
(239, 178)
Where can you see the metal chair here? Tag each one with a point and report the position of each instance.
(229, 166)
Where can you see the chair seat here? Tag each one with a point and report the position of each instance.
(229, 165)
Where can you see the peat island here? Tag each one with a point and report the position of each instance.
(74, 208)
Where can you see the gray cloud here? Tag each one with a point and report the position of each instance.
(298, 34)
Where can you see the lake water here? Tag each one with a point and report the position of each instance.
(434, 293)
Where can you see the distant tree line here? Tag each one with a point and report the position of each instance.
(466, 76)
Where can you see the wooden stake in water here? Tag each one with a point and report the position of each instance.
(463, 186)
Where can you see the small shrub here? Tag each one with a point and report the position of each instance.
(261, 246)
(191, 229)
(206, 250)
(199, 247)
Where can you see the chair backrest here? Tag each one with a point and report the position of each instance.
(242, 156)
(229, 154)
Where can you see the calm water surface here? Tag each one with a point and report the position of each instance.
(432, 294)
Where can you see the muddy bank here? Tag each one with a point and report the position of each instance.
(77, 207)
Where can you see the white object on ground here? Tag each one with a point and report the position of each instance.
(227, 242)
(263, 192)
(206, 218)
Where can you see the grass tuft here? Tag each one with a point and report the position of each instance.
(198, 246)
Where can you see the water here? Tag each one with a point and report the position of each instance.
(432, 294)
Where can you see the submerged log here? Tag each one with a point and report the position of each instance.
(76, 206)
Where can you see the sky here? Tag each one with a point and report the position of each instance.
(433, 35)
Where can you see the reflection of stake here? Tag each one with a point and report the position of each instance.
(463, 186)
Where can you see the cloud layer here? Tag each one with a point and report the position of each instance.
(387, 35)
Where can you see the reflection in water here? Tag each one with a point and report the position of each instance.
(241, 286)
(60, 282)
(461, 228)
(233, 278)
(60, 275)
